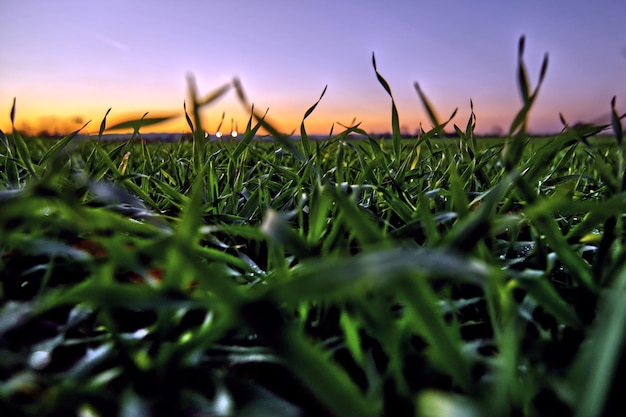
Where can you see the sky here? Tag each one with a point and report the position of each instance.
(68, 61)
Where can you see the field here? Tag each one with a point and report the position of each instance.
(335, 277)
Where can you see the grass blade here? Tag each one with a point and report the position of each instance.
(444, 340)
(432, 115)
(303, 135)
(522, 75)
(60, 144)
(214, 95)
(519, 123)
(137, 124)
(544, 293)
(598, 358)
(279, 137)
(247, 138)
(103, 124)
(396, 135)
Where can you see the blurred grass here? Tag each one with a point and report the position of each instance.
(334, 277)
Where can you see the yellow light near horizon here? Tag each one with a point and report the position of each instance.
(34, 117)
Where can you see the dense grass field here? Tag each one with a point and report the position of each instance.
(338, 277)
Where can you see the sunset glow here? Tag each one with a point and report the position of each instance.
(68, 62)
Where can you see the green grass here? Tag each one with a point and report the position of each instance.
(422, 277)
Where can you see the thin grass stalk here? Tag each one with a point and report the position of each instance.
(198, 131)
(590, 380)
(396, 135)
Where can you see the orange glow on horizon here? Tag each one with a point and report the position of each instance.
(228, 115)
(376, 123)
(37, 121)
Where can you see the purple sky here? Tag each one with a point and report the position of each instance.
(68, 60)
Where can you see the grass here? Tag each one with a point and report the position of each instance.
(336, 277)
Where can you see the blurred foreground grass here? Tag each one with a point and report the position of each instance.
(335, 277)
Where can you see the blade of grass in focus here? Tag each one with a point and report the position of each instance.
(396, 136)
